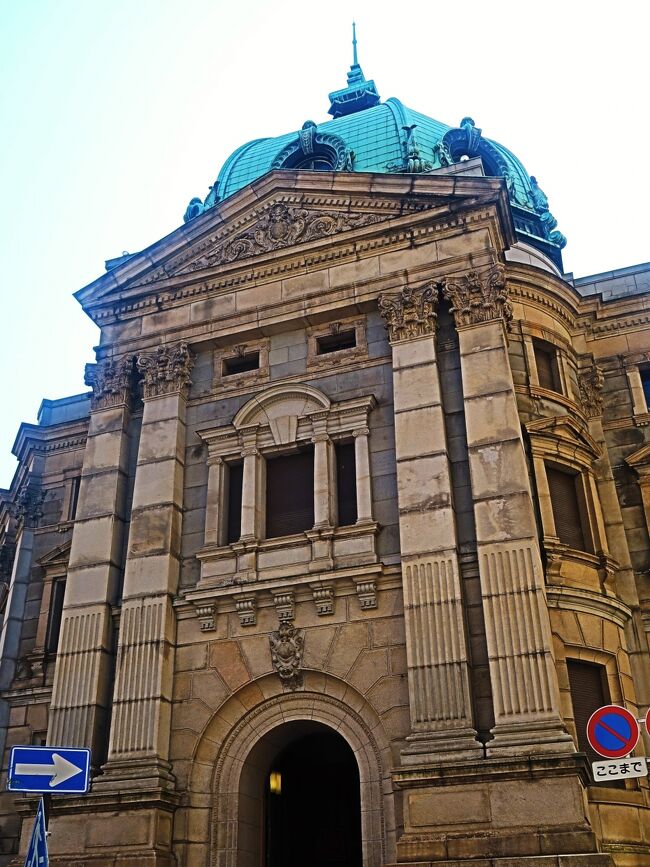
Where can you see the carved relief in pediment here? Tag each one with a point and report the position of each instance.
(281, 226)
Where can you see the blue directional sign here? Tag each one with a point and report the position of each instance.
(49, 769)
(37, 849)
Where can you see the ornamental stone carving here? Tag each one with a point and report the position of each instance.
(110, 381)
(591, 382)
(167, 370)
(286, 654)
(410, 313)
(281, 227)
(28, 506)
(478, 297)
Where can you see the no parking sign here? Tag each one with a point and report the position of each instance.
(612, 731)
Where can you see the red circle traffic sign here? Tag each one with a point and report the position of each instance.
(612, 731)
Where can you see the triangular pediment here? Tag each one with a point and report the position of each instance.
(58, 556)
(286, 211)
(566, 430)
(640, 458)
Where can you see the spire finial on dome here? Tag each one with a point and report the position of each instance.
(359, 93)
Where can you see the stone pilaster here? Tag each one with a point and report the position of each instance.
(362, 464)
(27, 511)
(139, 740)
(524, 681)
(82, 681)
(323, 471)
(436, 644)
(215, 499)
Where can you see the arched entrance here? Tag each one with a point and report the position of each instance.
(312, 803)
(239, 747)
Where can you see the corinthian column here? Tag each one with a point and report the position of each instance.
(436, 643)
(139, 740)
(524, 681)
(82, 680)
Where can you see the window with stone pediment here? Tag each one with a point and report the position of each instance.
(291, 461)
(564, 455)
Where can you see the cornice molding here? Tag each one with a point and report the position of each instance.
(398, 229)
(588, 602)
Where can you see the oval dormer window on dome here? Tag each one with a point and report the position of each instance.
(315, 163)
(315, 152)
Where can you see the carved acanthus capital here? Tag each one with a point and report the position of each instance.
(478, 297)
(28, 506)
(411, 312)
(167, 370)
(110, 381)
(286, 654)
(591, 391)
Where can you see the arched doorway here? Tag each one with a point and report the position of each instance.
(313, 804)
(238, 747)
(299, 800)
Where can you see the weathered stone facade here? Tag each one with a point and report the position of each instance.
(432, 632)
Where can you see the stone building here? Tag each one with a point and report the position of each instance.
(350, 535)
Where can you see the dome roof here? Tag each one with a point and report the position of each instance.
(366, 135)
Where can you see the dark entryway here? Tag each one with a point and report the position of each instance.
(313, 808)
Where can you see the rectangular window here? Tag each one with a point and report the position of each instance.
(54, 618)
(548, 372)
(346, 484)
(567, 501)
(240, 363)
(645, 382)
(290, 494)
(235, 481)
(74, 497)
(588, 685)
(336, 342)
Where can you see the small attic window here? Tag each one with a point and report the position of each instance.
(240, 364)
(336, 342)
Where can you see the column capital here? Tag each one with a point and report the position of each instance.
(28, 506)
(214, 460)
(361, 432)
(110, 380)
(249, 452)
(478, 297)
(166, 371)
(320, 438)
(591, 382)
(410, 313)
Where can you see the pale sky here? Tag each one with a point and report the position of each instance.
(114, 114)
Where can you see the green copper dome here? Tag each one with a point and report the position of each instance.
(366, 135)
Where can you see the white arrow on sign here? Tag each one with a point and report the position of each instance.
(60, 770)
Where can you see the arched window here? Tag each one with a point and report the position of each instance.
(320, 162)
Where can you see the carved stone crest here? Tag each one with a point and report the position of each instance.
(411, 313)
(110, 381)
(591, 388)
(286, 654)
(479, 297)
(167, 370)
(281, 227)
